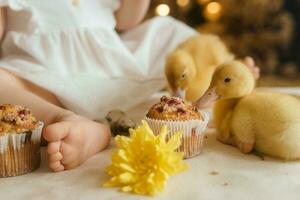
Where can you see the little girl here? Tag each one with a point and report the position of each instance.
(65, 60)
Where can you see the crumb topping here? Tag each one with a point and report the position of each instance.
(16, 119)
(173, 108)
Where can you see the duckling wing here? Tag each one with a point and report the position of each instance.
(273, 120)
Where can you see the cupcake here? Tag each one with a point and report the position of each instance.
(179, 115)
(20, 135)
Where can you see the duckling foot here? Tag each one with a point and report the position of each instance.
(258, 154)
(244, 147)
(226, 140)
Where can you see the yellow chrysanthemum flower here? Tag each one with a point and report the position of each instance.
(143, 162)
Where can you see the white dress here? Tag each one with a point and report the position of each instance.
(74, 51)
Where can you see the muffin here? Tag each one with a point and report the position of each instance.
(20, 135)
(179, 115)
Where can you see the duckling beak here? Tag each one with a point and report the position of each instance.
(179, 93)
(209, 97)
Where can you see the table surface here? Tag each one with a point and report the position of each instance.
(235, 176)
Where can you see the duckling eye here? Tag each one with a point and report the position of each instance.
(227, 80)
(183, 76)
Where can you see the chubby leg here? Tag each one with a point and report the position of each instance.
(71, 138)
(43, 104)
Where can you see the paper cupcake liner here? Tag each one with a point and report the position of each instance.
(192, 130)
(20, 153)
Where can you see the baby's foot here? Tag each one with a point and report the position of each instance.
(73, 139)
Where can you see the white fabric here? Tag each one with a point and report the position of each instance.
(75, 52)
(247, 177)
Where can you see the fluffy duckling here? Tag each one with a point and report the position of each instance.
(265, 121)
(190, 66)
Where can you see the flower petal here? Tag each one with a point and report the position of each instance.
(112, 183)
(127, 188)
(126, 167)
(143, 162)
(119, 156)
(174, 142)
(163, 134)
(126, 178)
(122, 142)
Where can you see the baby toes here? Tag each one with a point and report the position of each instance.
(56, 166)
(55, 157)
(53, 147)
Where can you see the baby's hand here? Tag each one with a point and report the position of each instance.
(249, 61)
(73, 139)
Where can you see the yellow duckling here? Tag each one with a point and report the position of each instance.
(190, 66)
(268, 122)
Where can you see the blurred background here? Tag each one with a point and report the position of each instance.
(267, 30)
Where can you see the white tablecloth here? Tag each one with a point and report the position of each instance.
(220, 172)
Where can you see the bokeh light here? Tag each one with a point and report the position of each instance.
(162, 10)
(183, 3)
(212, 11)
(213, 7)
